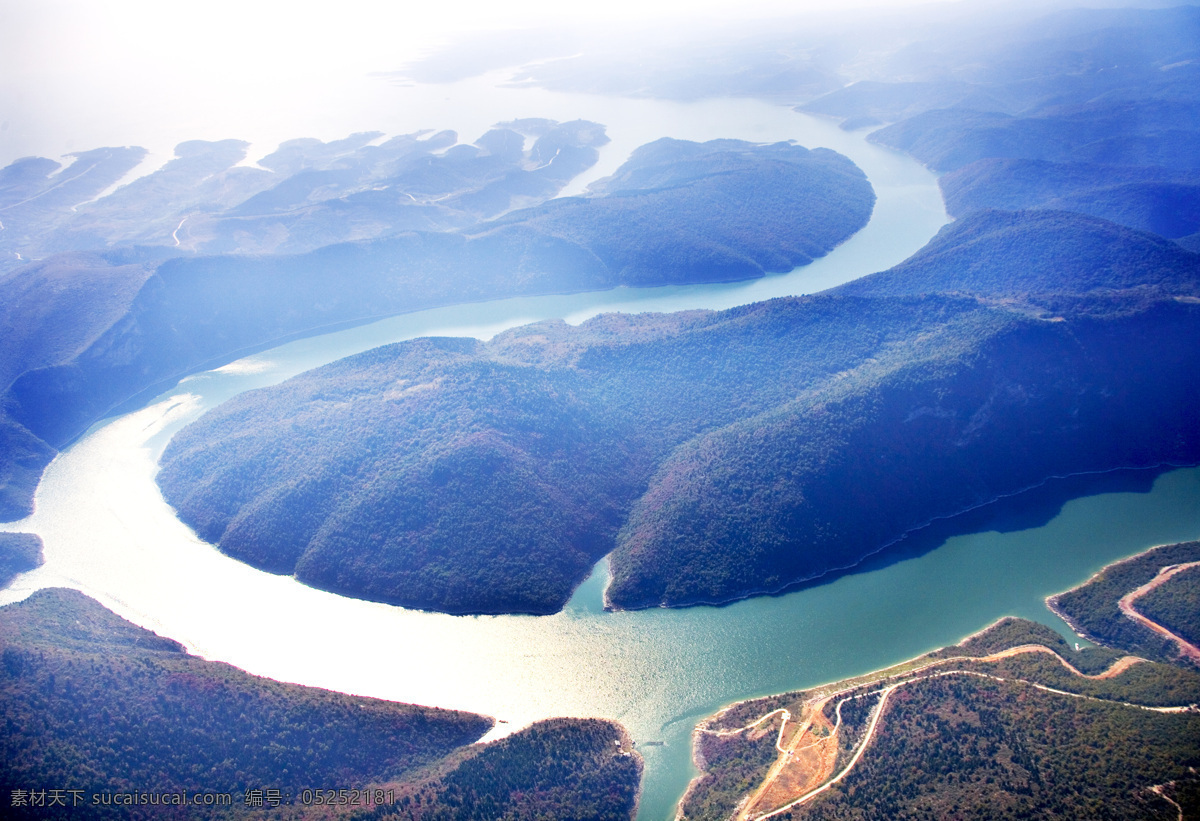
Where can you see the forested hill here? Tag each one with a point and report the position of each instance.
(1150, 198)
(95, 704)
(102, 712)
(19, 553)
(719, 454)
(677, 212)
(1006, 254)
(556, 770)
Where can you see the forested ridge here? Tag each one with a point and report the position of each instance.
(93, 703)
(470, 477)
(94, 706)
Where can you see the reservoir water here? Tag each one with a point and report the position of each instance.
(108, 532)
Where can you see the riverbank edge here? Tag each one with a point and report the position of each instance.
(879, 674)
(882, 673)
(793, 586)
(834, 574)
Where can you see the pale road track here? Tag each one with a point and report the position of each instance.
(922, 673)
(175, 233)
(1157, 789)
(53, 187)
(772, 773)
(1126, 606)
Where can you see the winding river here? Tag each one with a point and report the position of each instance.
(108, 532)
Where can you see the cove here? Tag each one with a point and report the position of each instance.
(108, 533)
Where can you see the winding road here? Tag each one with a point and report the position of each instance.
(1186, 649)
(822, 779)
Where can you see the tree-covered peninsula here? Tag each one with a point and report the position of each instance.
(101, 714)
(715, 455)
(1104, 610)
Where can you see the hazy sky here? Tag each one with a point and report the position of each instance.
(75, 74)
(231, 38)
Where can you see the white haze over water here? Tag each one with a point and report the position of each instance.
(77, 75)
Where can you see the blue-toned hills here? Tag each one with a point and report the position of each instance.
(1006, 254)
(717, 455)
(678, 212)
(1150, 198)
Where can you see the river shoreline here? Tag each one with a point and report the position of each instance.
(858, 566)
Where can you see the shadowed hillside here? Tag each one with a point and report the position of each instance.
(469, 477)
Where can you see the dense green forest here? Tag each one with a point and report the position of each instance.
(969, 746)
(978, 748)
(731, 767)
(469, 477)
(578, 769)
(1175, 605)
(93, 703)
(93, 706)
(19, 552)
(1092, 607)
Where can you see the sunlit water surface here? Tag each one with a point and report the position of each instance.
(108, 532)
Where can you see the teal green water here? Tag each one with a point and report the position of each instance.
(867, 621)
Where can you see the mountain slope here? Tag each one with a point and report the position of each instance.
(469, 477)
